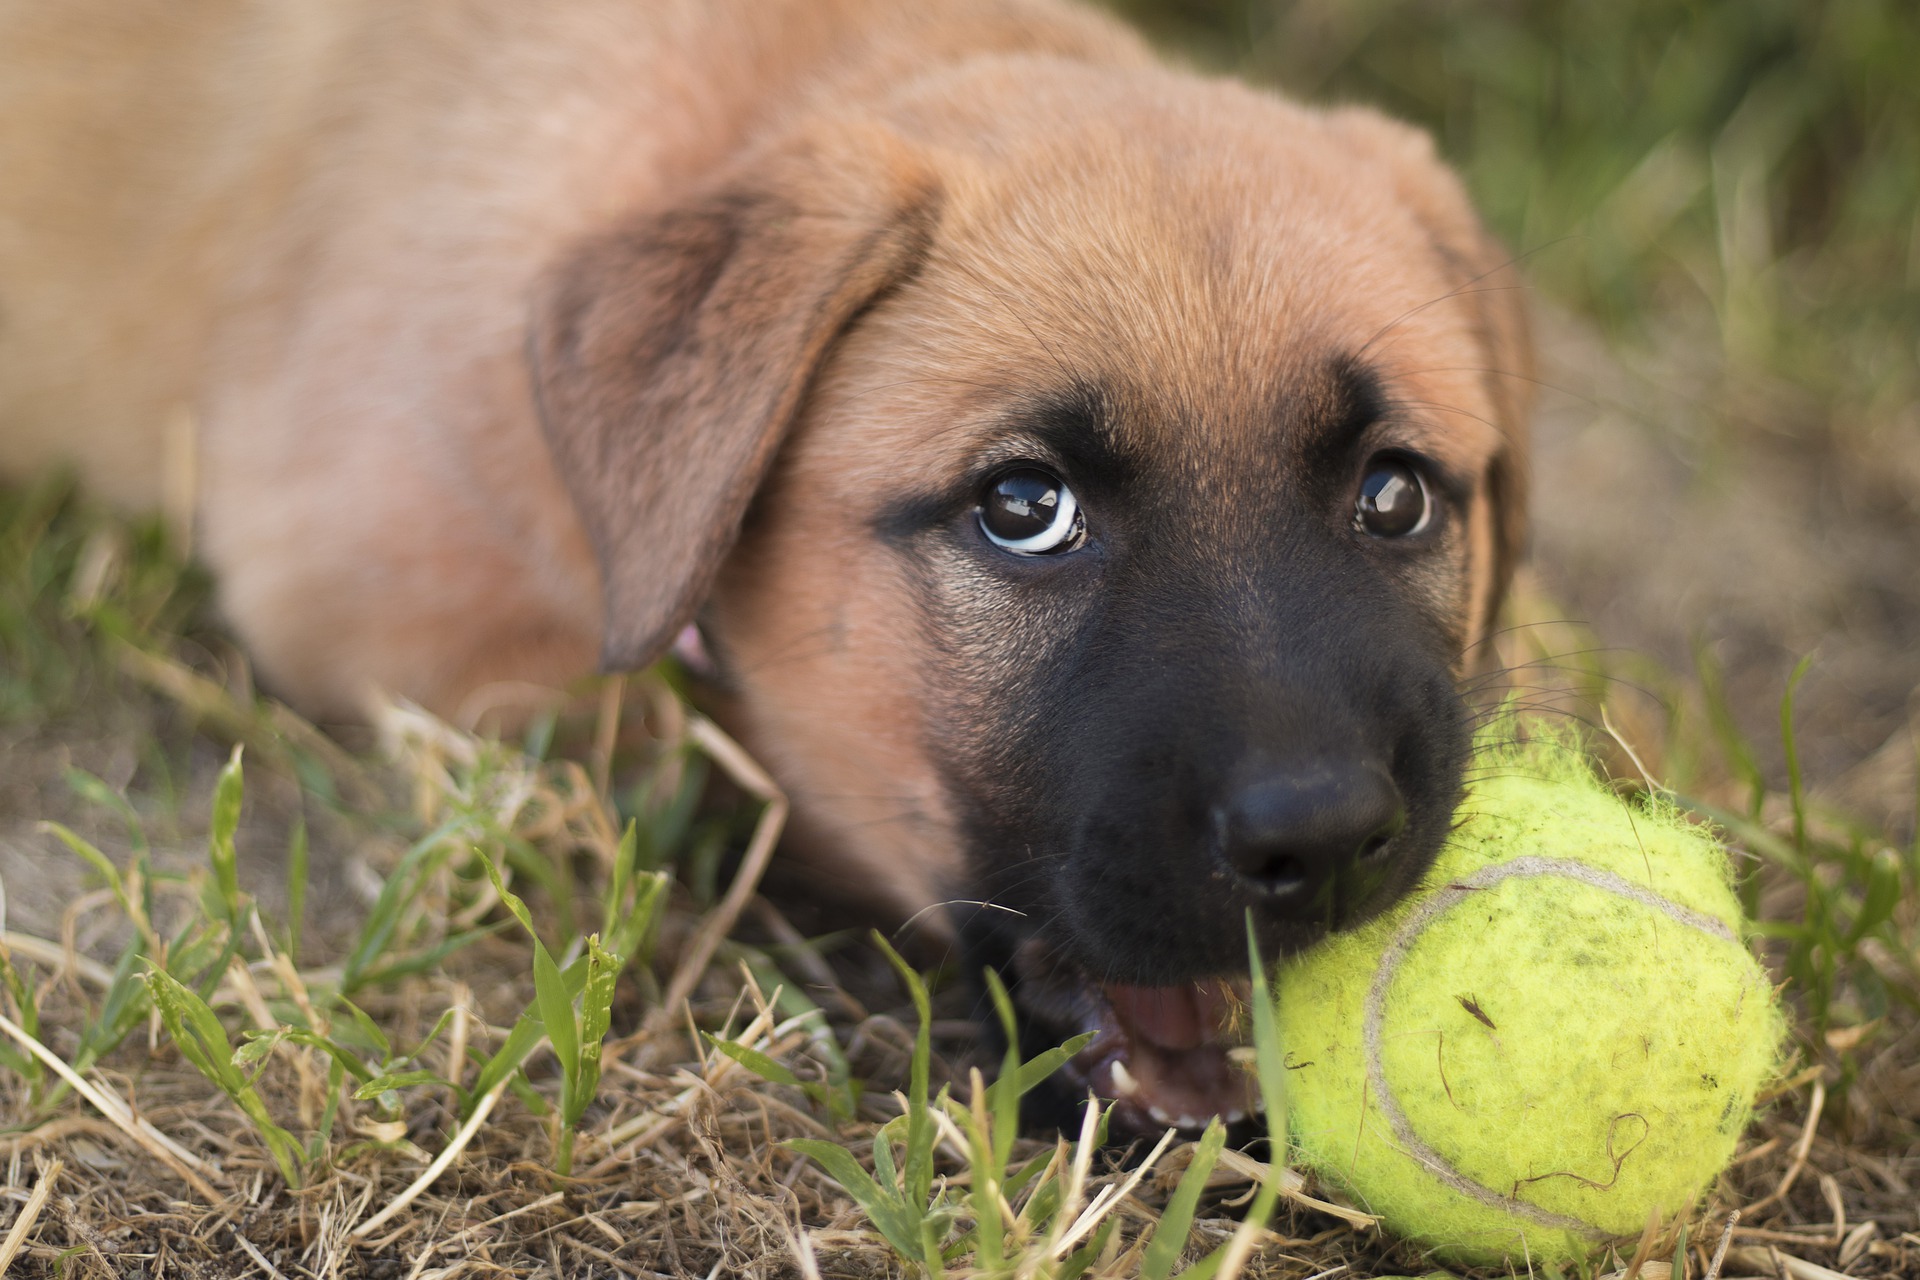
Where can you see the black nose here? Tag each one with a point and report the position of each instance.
(1289, 833)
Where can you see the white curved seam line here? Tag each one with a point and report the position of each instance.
(1402, 942)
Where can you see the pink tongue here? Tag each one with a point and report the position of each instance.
(1176, 1018)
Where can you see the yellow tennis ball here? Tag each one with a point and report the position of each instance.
(1559, 1033)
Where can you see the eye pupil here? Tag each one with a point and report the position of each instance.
(1393, 501)
(1030, 511)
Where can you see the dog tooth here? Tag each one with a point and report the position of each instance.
(1234, 1116)
(1159, 1116)
(1124, 1085)
(1188, 1122)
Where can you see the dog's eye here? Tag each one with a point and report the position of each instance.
(1393, 501)
(1032, 513)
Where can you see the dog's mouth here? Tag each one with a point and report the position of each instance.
(1165, 1056)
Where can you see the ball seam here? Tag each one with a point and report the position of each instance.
(1442, 901)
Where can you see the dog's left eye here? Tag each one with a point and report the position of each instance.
(1393, 501)
(1031, 512)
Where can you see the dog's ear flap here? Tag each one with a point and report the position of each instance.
(670, 355)
(1490, 285)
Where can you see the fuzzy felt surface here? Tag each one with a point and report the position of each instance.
(1560, 1032)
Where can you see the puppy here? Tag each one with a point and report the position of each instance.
(1089, 479)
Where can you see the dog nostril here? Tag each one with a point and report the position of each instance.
(1278, 876)
(1392, 815)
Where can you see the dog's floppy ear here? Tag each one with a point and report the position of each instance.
(671, 353)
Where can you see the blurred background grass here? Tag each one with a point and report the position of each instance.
(1748, 169)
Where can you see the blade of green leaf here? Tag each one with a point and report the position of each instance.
(368, 1028)
(227, 795)
(1077, 1263)
(898, 1221)
(755, 1061)
(389, 907)
(97, 792)
(596, 1015)
(1042, 1065)
(1270, 1065)
(1882, 896)
(400, 1080)
(296, 885)
(920, 1129)
(623, 870)
(556, 1011)
(98, 860)
(1176, 1220)
(505, 1060)
(1796, 783)
(1003, 1096)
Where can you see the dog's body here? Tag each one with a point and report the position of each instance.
(515, 334)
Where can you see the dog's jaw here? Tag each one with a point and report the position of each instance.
(1161, 1056)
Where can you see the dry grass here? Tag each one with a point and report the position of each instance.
(444, 1162)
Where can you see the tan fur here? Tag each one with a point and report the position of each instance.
(341, 235)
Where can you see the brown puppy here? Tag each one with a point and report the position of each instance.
(1089, 478)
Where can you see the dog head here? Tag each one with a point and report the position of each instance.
(1092, 485)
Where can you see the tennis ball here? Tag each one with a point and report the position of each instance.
(1558, 1033)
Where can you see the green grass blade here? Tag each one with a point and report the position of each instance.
(505, 1060)
(1733, 743)
(94, 858)
(632, 932)
(258, 1046)
(755, 1061)
(322, 1136)
(623, 872)
(1003, 1095)
(1796, 783)
(1257, 1214)
(227, 795)
(1270, 1065)
(899, 1221)
(920, 1127)
(553, 877)
(342, 1057)
(556, 1011)
(596, 1015)
(368, 1028)
(514, 906)
(1880, 898)
(27, 1013)
(521, 1041)
(395, 1082)
(840, 1093)
(883, 1168)
(1042, 1065)
(195, 1030)
(123, 1008)
(1176, 1220)
(424, 961)
(197, 1033)
(389, 908)
(296, 885)
(1077, 1263)
(96, 792)
(1016, 1182)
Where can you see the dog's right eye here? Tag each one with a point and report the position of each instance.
(1032, 513)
